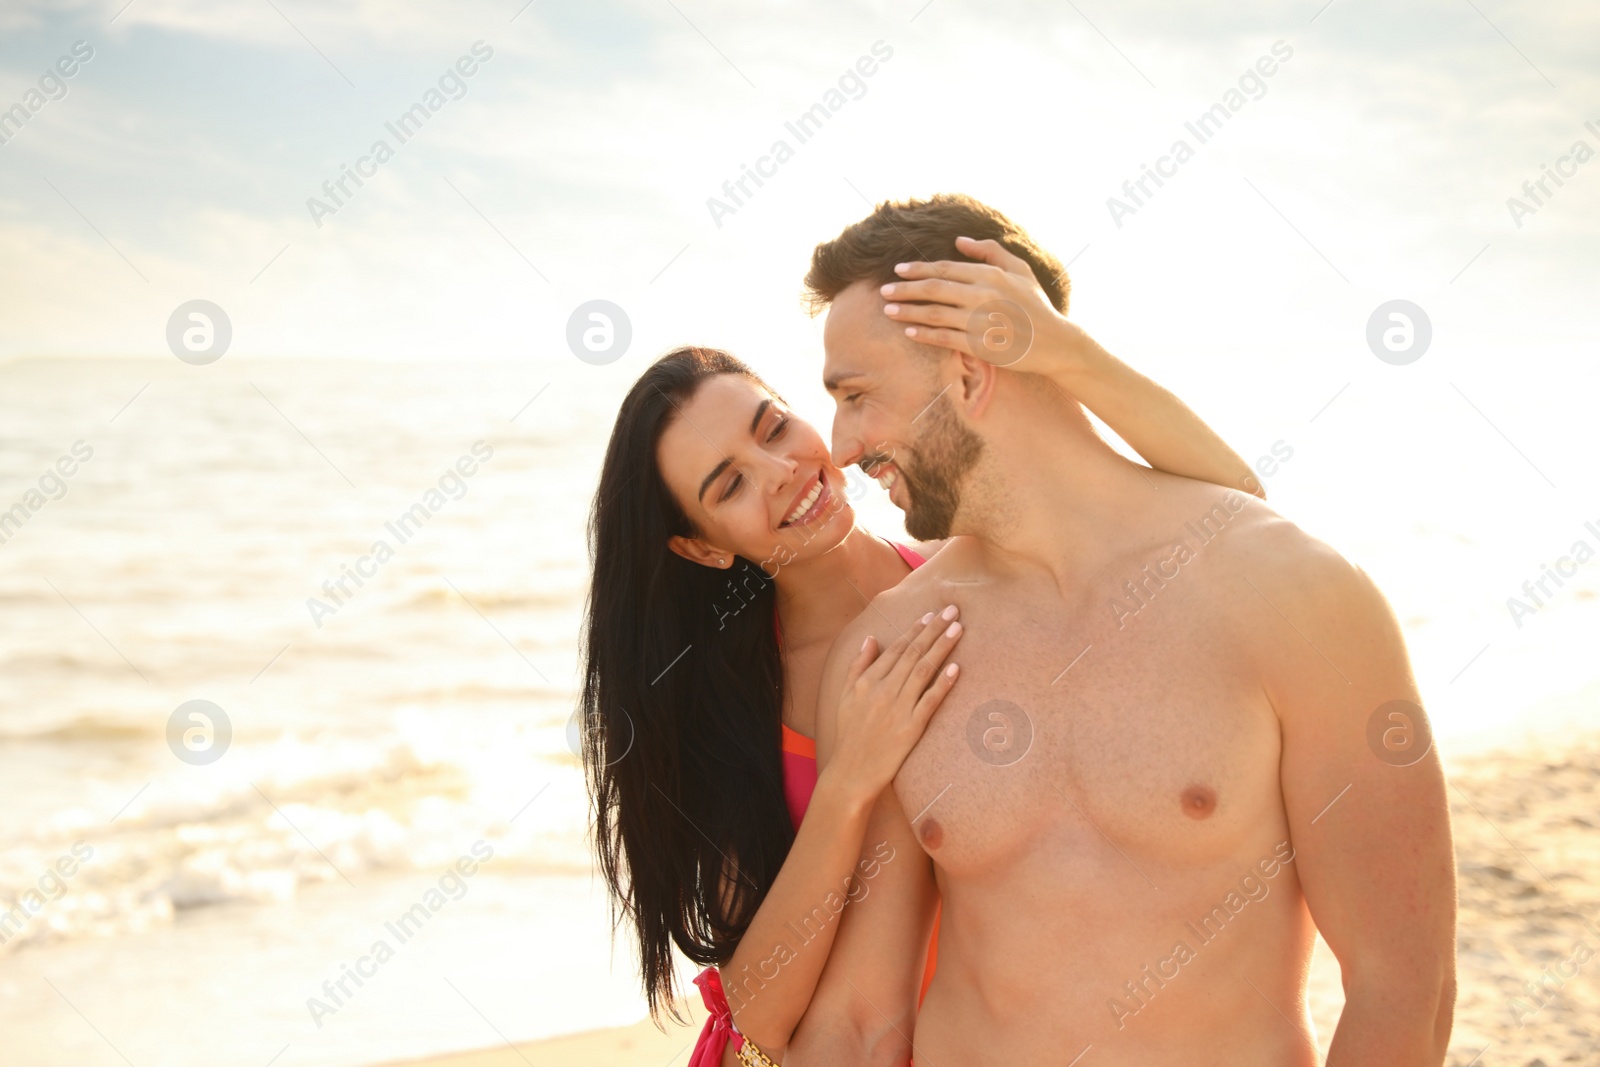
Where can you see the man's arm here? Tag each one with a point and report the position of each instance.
(1368, 813)
(864, 1009)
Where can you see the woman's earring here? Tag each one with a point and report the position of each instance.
(721, 562)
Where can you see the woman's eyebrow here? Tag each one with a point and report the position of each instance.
(715, 472)
(761, 409)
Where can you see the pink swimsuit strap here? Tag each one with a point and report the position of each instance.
(718, 1032)
(910, 555)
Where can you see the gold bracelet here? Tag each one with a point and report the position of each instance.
(751, 1056)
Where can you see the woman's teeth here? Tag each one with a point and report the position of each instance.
(805, 505)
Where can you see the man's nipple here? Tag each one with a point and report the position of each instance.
(1198, 801)
(931, 832)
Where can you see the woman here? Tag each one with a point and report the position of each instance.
(719, 585)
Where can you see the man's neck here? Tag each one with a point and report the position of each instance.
(1052, 493)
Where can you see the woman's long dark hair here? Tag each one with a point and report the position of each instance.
(681, 705)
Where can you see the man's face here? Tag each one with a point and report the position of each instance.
(893, 414)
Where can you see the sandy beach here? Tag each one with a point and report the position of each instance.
(621, 1046)
(1529, 989)
(1529, 862)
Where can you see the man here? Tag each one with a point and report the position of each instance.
(1186, 735)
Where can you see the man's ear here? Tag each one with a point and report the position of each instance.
(695, 550)
(975, 384)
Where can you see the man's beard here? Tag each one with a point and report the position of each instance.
(944, 454)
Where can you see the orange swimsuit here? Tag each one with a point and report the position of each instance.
(799, 781)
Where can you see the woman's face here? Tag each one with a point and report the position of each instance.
(755, 480)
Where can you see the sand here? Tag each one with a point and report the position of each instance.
(639, 1045)
(1529, 860)
(1528, 853)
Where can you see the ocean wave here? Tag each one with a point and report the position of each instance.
(84, 729)
(20, 597)
(295, 813)
(61, 661)
(434, 596)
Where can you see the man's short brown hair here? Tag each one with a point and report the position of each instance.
(922, 229)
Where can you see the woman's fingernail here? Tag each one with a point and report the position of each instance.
(901, 268)
(954, 629)
(927, 617)
(951, 612)
(950, 671)
(911, 331)
(891, 309)
(887, 290)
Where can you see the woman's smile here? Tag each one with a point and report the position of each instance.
(811, 503)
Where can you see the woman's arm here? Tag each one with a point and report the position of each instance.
(939, 304)
(1155, 423)
(886, 702)
(768, 989)
(865, 1007)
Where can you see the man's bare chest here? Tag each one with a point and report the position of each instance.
(1067, 726)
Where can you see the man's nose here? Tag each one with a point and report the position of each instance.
(846, 446)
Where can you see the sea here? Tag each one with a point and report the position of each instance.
(288, 666)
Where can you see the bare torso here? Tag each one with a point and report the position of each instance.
(1100, 797)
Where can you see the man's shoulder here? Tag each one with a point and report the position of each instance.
(1289, 567)
(1286, 550)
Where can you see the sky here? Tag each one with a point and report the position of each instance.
(1370, 153)
(578, 161)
